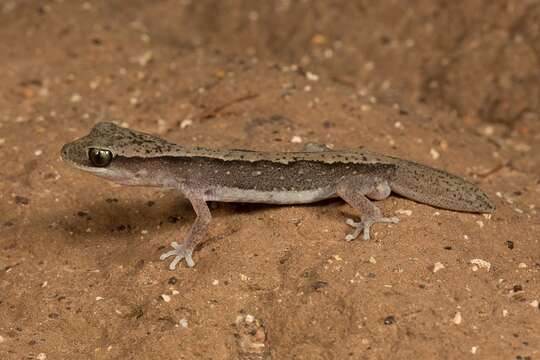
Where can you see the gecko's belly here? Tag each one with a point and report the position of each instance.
(268, 197)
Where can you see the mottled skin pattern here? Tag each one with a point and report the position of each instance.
(135, 158)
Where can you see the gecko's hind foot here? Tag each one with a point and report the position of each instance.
(180, 252)
(364, 226)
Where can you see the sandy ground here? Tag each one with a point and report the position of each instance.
(455, 85)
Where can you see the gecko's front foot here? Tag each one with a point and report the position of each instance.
(180, 252)
(365, 225)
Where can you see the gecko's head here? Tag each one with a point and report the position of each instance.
(114, 152)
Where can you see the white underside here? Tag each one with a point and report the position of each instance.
(269, 197)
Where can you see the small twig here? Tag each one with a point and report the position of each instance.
(212, 112)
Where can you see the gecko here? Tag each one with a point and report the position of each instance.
(202, 174)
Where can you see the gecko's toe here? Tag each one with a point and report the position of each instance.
(180, 252)
(358, 226)
(364, 226)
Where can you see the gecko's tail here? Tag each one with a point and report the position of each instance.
(439, 188)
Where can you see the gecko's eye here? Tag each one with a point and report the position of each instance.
(99, 157)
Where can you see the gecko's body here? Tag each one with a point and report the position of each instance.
(135, 158)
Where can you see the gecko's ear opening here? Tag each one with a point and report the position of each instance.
(100, 157)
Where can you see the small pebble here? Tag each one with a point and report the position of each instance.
(38, 152)
(183, 323)
(296, 139)
(165, 297)
(2, 339)
(311, 76)
(481, 263)
(319, 39)
(434, 154)
(185, 123)
(457, 318)
(215, 282)
(389, 320)
(522, 266)
(98, 298)
(249, 319)
(474, 349)
(372, 260)
(404, 212)
(145, 58)
(438, 266)
(21, 200)
(41, 356)
(480, 223)
(534, 303)
(75, 98)
(505, 313)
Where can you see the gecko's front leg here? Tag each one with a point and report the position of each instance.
(354, 191)
(198, 231)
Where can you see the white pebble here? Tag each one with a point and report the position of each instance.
(522, 266)
(75, 98)
(372, 260)
(145, 58)
(365, 107)
(165, 297)
(481, 263)
(98, 298)
(250, 319)
(480, 223)
(185, 123)
(438, 266)
(215, 282)
(296, 139)
(457, 318)
(488, 130)
(398, 125)
(2, 339)
(307, 88)
(41, 356)
(311, 76)
(474, 349)
(404, 212)
(505, 313)
(434, 154)
(534, 303)
(183, 323)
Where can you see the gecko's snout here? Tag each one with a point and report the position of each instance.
(63, 152)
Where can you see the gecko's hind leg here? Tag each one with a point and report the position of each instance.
(196, 233)
(354, 191)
